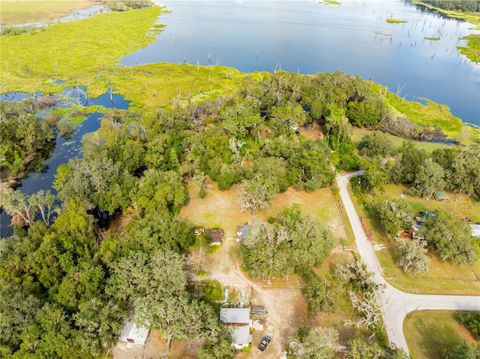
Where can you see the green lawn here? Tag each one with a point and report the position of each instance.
(443, 277)
(25, 11)
(430, 333)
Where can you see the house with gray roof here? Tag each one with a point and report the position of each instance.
(238, 319)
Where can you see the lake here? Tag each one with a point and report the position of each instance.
(308, 37)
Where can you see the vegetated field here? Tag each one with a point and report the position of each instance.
(27, 11)
(221, 209)
(358, 133)
(443, 277)
(430, 333)
(79, 52)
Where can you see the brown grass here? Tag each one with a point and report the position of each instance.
(221, 209)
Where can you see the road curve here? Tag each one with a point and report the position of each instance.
(395, 304)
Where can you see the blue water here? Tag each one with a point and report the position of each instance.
(306, 37)
(65, 149)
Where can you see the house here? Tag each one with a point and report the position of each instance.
(133, 334)
(216, 237)
(199, 231)
(440, 196)
(475, 230)
(239, 320)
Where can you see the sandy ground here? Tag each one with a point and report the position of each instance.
(283, 299)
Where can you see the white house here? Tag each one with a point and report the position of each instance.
(133, 334)
(239, 320)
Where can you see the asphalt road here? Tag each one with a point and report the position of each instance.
(395, 304)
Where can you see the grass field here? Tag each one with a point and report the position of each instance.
(443, 277)
(79, 52)
(27, 11)
(221, 209)
(430, 333)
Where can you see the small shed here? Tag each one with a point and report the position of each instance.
(216, 237)
(440, 196)
(133, 334)
(475, 230)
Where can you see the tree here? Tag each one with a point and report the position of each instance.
(217, 347)
(25, 209)
(318, 343)
(429, 178)
(462, 351)
(366, 113)
(361, 349)
(160, 191)
(410, 161)
(450, 238)
(366, 306)
(292, 242)
(471, 320)
(375, 144)
(412, 256)
(287, 117)
(256, 193)
(374, 177)
(394, 215)
(319, 294)
(17, 313)
(311, 166)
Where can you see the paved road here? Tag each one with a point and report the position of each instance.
(395, 304)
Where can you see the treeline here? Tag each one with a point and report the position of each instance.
(456, 5)
(25, 136)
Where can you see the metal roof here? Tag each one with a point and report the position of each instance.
(235, 315)
(475, 230)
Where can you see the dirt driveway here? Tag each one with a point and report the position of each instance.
(283, 299)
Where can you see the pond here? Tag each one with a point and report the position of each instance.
(65, 149)
(308, 37)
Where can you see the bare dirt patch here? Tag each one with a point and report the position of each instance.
(221, 209)
(286, 306)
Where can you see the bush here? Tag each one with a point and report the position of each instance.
(471, 321)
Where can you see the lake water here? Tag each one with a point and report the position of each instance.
(65, 149)
(309, 37)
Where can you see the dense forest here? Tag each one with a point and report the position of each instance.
(68, 286)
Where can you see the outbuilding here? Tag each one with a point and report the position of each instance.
(216, 237)
(440, 196)
(133, 334)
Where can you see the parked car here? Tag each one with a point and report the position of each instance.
(264, 343)
(259, 310)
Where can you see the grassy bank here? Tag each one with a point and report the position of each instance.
(430, 333)
(472, 50)
(27, 11)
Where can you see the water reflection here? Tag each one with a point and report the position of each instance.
(306, 37)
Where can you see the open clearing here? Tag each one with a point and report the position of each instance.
(221, 209)
(443, 277)
(27, 11)
(429, 333)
